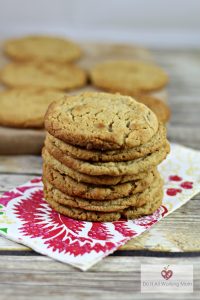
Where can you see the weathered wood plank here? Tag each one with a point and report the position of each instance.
(22, 164)
(115, 275)
(173, 233)
(39, 264)
(24, 292)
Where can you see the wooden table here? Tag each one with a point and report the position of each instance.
(175, 240)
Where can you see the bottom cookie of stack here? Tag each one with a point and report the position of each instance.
(133, 206)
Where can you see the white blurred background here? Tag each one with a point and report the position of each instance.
(158, 23)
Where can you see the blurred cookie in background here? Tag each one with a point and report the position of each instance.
(42, 48)
(47, 75)
(25, 108)
(128, 77)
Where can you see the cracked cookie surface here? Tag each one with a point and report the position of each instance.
(101, 121)
(43, 75)
(128, 77)
(71, 187)
(43, 48)
(116, 155)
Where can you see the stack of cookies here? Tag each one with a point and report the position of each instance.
(100, 157)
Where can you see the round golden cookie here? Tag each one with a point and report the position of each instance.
(128, 77)
(160, 108)
(136, 200)
(101, 121)
(43, 48)
(149, 208)
(80, 177)
(112, 168)
(131, 212)
(71, 187)
(152, 145)
(47, 75)
(25, 108)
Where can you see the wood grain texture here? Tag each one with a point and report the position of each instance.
(27, 164)
(42, 278)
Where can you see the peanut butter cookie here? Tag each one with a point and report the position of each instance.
(42, 48)
(136, 200)
(47, 75)
(80, 177)
(131, 212)
(128, 77)
(101, 121)
(71, 187)
(156, 142)
(25, 108)
(112, 168)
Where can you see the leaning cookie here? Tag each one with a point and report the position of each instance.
(43, 75)
(25, 108)
(42, 48)
(128, 77)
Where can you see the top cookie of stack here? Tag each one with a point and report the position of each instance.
(100, 157)
(101, 121)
